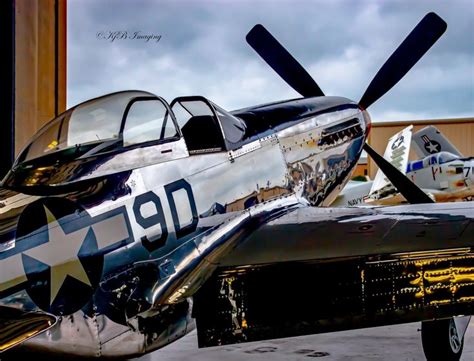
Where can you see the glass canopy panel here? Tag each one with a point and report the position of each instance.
(147, 120)
(94, 121)
(444, 157)
(234, 128)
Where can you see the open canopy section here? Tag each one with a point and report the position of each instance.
(206, 127)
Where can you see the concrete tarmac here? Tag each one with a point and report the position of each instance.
(397, 343)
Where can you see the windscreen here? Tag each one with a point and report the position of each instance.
(95, 121)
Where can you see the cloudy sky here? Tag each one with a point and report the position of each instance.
(202, 51)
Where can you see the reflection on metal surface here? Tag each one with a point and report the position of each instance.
(146, 213)
(196, 260)
(319, 169)
(238, 316)
(353, 293)
(185, 214)
(438, 253)
(17, 327)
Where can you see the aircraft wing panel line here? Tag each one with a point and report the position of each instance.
(318, 233)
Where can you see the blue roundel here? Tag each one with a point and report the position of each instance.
(61, 260)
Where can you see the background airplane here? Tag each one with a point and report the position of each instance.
(354, 193)
(442, 172)
(125, 219)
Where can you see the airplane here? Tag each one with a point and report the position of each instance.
(127, 222)
(355, 193)
(443, 172)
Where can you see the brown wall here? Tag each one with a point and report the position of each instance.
(40, 68)
(459, 131)
(360, 171)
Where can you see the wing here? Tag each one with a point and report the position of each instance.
(18, 326)
(430, 140)
(397, 152)
(325, 269)
(327, 233)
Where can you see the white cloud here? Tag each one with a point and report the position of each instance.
(342, 44)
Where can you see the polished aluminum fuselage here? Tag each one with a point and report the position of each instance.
(206, 204)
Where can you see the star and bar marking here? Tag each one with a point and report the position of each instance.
(61, 252)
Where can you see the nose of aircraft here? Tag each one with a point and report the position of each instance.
(368, 122)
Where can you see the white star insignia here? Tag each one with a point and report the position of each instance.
(433, 148)
(60, 253)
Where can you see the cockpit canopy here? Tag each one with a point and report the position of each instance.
(76, 142)
(438, 158)
(99, 125)
(125, 119)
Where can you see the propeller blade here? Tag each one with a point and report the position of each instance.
(412, 193)
(282, 62)
(416, 44)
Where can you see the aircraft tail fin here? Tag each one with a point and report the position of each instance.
(430, 140)
(397, 151)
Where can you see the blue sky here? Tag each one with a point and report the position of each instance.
(202, 50)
